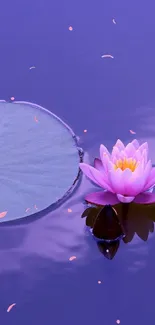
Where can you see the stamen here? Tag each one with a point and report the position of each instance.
(126, 163)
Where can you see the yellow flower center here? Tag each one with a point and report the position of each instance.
(126, 163)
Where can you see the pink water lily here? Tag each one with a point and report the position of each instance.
(125, 174)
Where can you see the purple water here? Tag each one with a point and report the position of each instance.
(108, 97)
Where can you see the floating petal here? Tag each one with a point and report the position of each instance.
(72, 258)
(132, 132)
(3, 214)
(10, 307)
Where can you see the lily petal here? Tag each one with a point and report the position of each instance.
(130, 150)
(144, 146)
(135, 143)
(125, 199)
(145, 198)
(145, 156)
(120, 145)
(96, 176)
(147, 170)
(135, 183)
(126, 178)
(151, 180)
(105, 161)
(98, 164)
(102, 198)
(136, 186)
(103, 151)
(116, 153)
(116, 180)
(137, 155)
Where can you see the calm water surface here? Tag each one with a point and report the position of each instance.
(108, 97)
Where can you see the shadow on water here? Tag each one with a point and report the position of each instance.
(109, 225)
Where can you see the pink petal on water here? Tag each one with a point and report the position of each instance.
(102, 198)
(10, 307)
(125, 199)
(3, 214)
(145, 198)
(132, 132)
(72, 258)
(70, 28)
(98, 164)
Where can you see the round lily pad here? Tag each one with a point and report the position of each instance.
(39, 159)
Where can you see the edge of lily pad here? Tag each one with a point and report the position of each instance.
(31, 217)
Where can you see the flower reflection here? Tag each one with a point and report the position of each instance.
(125, 221)
(109, 250)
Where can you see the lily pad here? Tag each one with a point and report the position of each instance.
(39, 159)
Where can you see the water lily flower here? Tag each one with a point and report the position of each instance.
(125, 174)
